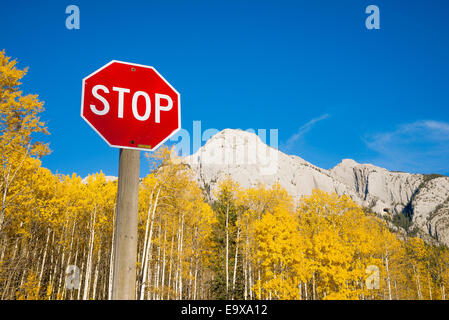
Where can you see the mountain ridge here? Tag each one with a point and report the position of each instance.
(423, 199)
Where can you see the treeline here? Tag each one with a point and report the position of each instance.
(252, 243)
(325, 247)
(68, 222)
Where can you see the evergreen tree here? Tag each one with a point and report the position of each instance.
(225, 243)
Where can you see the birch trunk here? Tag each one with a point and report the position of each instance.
(89, 258)
(387, 269)
(156, 279)
(418, 283)
(44, 257)
(235, 262)
(163, 261)
(195, 278)
(171, 263)
(62, 273)
(313, 286)
(145, 242)
(78, 297)
(111, 259)
(64, 292)
(250, 281)
(227, 251)
(96, 271)
(180, 257)
(245, 277)
(305, 290)
(147, 254)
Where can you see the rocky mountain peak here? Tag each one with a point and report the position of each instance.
(248, 160)
(347, 163)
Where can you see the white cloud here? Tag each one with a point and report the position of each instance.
(292, 141)
(421, 147)
(441, 126)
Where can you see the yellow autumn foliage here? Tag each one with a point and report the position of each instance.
(223, 241)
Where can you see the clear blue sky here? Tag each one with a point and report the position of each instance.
(308, 68)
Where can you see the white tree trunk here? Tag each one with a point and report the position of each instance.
(147, 254)
(180, 257)
(111, 259)
(227, 251)
(387, 269)
(97, 269)
(235, 261)
(163, 261)
(171, 263)
(145, 242)
(158, 267)
(78, 297)
(89, 258)
(44, 257)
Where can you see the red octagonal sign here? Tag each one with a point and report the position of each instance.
(131, 106)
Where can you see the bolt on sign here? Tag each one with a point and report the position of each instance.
(131, 106)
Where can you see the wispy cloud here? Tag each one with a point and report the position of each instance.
(293, 140)
(421, 146)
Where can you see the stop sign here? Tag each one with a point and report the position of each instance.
(130, 105)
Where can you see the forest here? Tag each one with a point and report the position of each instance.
(254, 243)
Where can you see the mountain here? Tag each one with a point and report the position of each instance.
(416, 202)
(107, 179)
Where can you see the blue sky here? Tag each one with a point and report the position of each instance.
(310, 69)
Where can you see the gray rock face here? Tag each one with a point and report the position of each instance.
(379, 188)
(107, 179)
(431, 208)
(249, 161)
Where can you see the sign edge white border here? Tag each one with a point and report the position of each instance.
(138, 65)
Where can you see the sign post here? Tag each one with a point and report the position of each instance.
(117, 102)
(125, 242)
